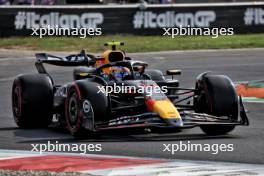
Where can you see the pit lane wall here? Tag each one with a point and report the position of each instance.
(135, 19)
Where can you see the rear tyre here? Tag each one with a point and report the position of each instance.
(96, 104)
(32, 101)
(158, 77)
(155, 75)
(216, 95)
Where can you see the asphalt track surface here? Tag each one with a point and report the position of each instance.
(240, 65)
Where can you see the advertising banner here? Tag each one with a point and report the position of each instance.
(132, 19)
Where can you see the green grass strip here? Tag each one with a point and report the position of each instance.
(133, 43)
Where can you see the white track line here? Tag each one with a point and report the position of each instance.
(7, 79)
(188, 168)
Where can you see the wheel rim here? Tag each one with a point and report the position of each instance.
(16, 101)
(73, 109)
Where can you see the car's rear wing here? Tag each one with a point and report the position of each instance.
(81, 59)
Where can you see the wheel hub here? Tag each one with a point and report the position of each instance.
(73, 109)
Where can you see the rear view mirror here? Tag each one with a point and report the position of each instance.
(173, 72)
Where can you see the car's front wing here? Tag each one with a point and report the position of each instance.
(152, 120)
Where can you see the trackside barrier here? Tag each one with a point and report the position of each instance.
(135, 19)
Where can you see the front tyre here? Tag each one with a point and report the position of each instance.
(83, 104)
(74, 114)
(216, 95)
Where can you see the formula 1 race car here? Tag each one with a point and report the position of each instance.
(115, 92)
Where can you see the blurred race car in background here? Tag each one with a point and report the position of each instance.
(84, 106)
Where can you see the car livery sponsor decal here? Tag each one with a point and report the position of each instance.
(86, 106)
